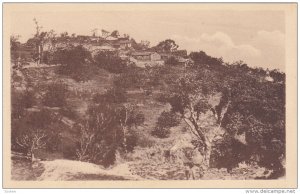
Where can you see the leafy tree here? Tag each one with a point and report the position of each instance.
(64, 34)
(167, 45)
(115, 34)
(201, 58)
(14, 46)
(189, 97)
(143, 45)
(228, 152)
(277, 76)
(257, 109)
(252, 112)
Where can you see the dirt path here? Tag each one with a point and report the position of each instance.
(76, 170)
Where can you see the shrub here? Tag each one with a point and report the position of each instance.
(74, 62)
(71, 56)
(33, 125)
(56, 95)
(227, 153)
(161, 132)
(110, 61)
(20, 101)
(167, 120)
(131, 141)
(100, 135)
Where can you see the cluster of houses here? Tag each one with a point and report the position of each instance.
(108, 42)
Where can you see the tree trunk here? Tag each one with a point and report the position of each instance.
(207, 154)
(32, 157)
(124, 138)
(202, 137)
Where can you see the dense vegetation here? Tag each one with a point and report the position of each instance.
(249, 106)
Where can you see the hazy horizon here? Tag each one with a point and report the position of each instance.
(256, 37)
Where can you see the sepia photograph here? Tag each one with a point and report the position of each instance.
(155, 95)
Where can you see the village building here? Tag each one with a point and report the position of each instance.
(143, 59)
(180, 56)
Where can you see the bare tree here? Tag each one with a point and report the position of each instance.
(39, 36)
(86, 139)
(32, 140)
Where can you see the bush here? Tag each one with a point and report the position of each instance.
(110, 61)
(100, 135)
(20, 101)
(56, 95)
(131, 141)
(227, 153)
(167, 120)
(43, 121)
(74, 61)
(161, 132)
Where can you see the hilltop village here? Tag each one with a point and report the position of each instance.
(125, 47)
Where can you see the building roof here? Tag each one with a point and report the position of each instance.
(111, 38)
(104, 47)
(123, 38)
(123, 41)
(141, 53)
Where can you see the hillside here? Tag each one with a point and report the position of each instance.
(148, 159)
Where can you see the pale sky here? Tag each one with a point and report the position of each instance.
(256, 37)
